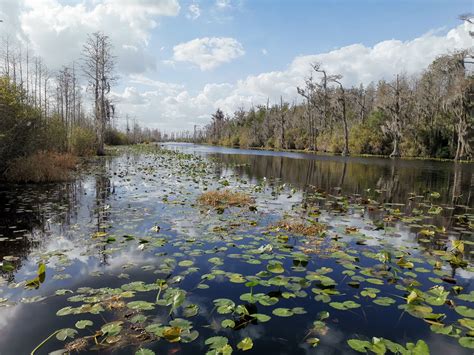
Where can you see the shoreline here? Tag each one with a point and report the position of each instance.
(320, 153)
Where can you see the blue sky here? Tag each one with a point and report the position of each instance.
(180, 60)
(291, 28)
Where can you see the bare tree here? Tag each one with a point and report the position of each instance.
(283, 111)
(342, 103)
(309, 94)
(99, 67)
(394, 103)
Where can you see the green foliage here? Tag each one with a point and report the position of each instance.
(367, 137)
(115, 137)
(20, 125)
(32, 146)
(83, 141)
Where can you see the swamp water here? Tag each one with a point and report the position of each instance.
(334, 255)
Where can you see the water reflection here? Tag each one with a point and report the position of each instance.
(120, 196)
(396, 179)
(391, 181)
(28, 213)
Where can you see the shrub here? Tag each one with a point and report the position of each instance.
(83, 141)
(20, 124)
(115, 137)
(54, 135)
(41, 167)
(367, 137)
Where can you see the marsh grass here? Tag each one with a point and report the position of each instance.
(41, 167)
(225, 198)
(300, 227)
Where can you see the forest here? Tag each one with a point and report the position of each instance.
(430, 115)
(49, 118)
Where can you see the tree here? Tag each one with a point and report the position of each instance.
(342, 104)
(394, 103)
(458, 102)
(217, 124)
(309, 94)
(99, 67)
(283, 111)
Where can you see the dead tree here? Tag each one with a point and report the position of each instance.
(99, 67)
(342, 101)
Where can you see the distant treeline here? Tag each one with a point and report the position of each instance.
(429, 115)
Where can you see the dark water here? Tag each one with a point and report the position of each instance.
(395, 179)
(129, 194)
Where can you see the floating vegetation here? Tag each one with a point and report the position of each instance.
(224, 198)
(301, 227)
(152, 272)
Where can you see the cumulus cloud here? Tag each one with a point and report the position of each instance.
(208, 52)
(57, 31)
(357, 63)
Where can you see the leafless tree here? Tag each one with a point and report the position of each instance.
(343, 107)
(99, 69)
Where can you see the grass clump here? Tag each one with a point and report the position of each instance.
(225, 198)
(41, 167)
(300, 227)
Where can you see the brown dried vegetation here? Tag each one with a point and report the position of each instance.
(301, 227)
(225, 198)
(41, 167)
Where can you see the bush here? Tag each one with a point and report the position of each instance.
(115, 137)
(367, 137)
(331, 142)
(41, 167)
(83, 141)
(54, 135)
(21, 126)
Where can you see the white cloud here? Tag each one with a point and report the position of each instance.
(193, 11)
(357, 63)
(264, 51)
(57, 31)
(223, 4)
(208, 53)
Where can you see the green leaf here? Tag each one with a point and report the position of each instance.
(245, 344)
(65, 333)
(41, 272)
(112, 328)
(344, 305)
(314, 342)
(216, 342)
(275, 267)
(228, 323)
(65, 311)
(283, 312)
(384, 301)
(191, 310)
(186, 263)
(323, 315)
(465, 311)
(359, 345)
(83, 324)
(144, 352)
(261, 317)
(141, 305)
(421, 348)
(467, 342)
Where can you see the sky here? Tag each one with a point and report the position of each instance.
(180, 60)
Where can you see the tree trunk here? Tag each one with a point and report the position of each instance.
(396, 149)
